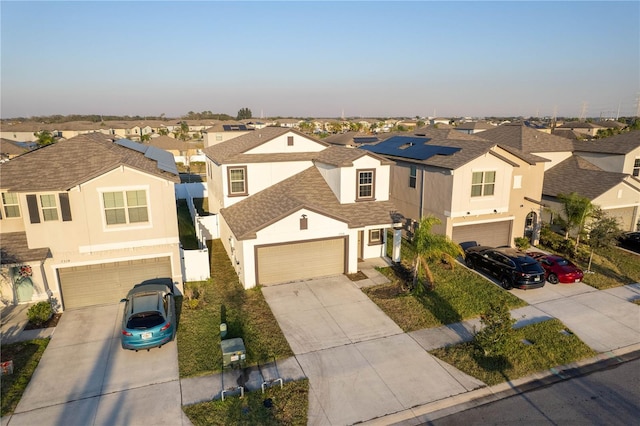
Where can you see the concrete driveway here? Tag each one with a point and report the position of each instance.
(603, 319)
(86, 378)
(359, 363)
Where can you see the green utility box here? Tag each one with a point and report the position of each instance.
(234, 355)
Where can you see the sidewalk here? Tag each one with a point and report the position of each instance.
(13, 320)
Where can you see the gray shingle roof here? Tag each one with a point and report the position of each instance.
(169, 143)
(65, 164)
(576, 174)
(344, 157)
(232, 150)
(7, 146)
(14, 249)
(308, 190)
(526, 139)
(623, 143)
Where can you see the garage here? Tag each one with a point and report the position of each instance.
(492, 234)
(299, 261)
(107, 282)
(625, 217)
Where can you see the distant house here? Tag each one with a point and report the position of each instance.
(351, 139)
(590, 129)
(291, 208)
(473, 127)
(223, 131)
(85, 219)
(10, 149)
(481, 191)
(182, 151)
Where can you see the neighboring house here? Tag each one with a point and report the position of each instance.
(224, 131)
(590, 129)
(10, 149)
(610, 163)
(291, 208)
(85, 219)
(618, 194)
(473, 127)
(481, 191)
(182, 151)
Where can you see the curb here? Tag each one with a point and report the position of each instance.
(437, 409)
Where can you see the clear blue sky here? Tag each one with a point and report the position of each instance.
(320, 59)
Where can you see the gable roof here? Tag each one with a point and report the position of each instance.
(232, 150)
(623, 143)
(526, 139)
(65, 164)
(15, 249)
(305, 190)
(344, 157)
(575, 174)
(169, 143)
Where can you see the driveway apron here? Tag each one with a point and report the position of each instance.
(86, 378)
(359, 363)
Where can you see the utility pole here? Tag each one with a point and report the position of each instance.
(583, 112)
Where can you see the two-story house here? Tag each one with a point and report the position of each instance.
(292, 208)
(479, 190)
(85, 219)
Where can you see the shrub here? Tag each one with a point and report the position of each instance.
(39, 313)
(522, 243)
(192, 296)
(497, 336)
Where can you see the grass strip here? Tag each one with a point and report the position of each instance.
(25, 356)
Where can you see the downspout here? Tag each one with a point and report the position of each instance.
(421, 193)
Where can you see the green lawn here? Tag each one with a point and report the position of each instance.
(289, 407)
(25, 356)
(185, 227)
(247, 316)
(550, 348)
(612, 267)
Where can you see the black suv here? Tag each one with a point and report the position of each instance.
(510, 266)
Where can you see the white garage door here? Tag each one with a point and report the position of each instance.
(108, 282)
(299, 261)
(492, 234)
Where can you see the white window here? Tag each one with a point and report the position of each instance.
(11, 205)
(237, 180)
(49, 207)
(636, 167)
(365, 185)
(375, 236)
(123, 207)
(483, 184)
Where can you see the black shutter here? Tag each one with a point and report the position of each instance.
(65, 208)
(32, 203)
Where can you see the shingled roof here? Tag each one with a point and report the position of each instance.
(576, 174)
(232, 150)
(14, 249)
(344, 157)
(305, 190)
(623, 143)
(526, 139)
(471, 147)
(65, 164)
(168, 143)
(9, 147)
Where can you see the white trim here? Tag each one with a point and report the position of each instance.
(57, 266)
(127, 245)
(620, 207)
(121, 169)
(476, 222)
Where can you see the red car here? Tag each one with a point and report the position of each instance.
(558, 269)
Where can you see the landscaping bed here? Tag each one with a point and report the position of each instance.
(247, 316)
(550, 344)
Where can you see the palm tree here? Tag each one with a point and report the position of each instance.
(577, 209)
(430, 247)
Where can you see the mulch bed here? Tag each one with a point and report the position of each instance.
(53, 321)
(357, 276)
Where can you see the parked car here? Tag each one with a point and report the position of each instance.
(558, 269)
(630, 240)
(511, 267)
(149, 318)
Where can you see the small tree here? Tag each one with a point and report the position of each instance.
(577, 209)
(604, 232)
(497, 336)
(430, 247)
(44, 137)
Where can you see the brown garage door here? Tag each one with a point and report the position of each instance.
(624, 217)
(108, 282)
(492, 234)
(299, 261)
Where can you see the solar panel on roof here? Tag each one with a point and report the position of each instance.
(365, 139)
(410, 147)
(163, 158)
(230, 127)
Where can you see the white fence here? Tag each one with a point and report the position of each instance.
(195, 263)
